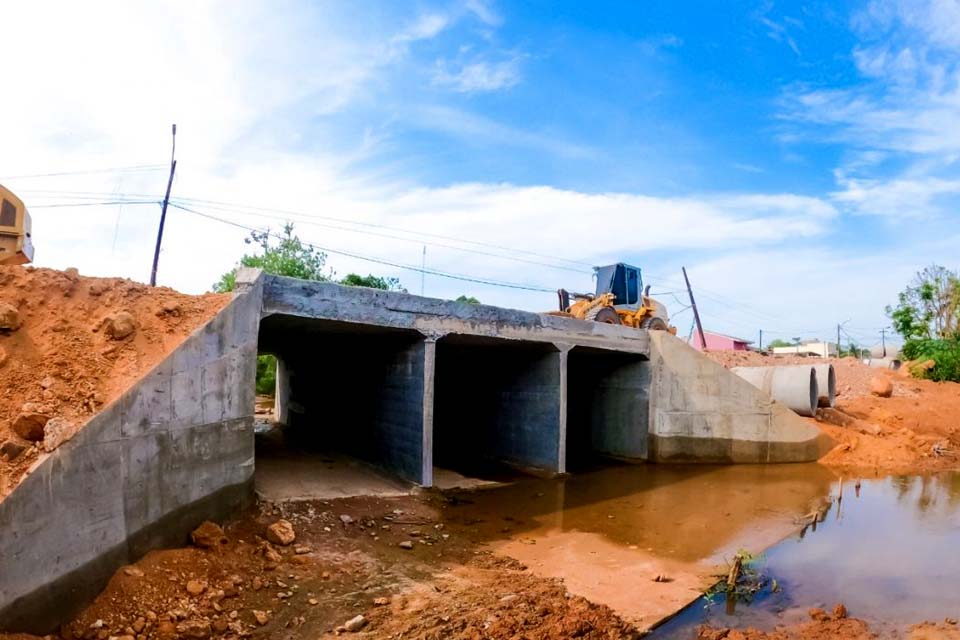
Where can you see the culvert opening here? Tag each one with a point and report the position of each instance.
(347, 415)
(608, 398)
(497, 407)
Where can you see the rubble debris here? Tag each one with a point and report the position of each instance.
(56, 432)
(9, 317)
(118, 325)
(881, 386)
(354, 624)
(208, 535)
(10, 450)
(29, 425)
(281, 532)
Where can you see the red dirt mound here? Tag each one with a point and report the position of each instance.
(76, 344)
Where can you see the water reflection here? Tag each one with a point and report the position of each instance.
(888, 553)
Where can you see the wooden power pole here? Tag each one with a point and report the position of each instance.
(696, 314)
(163, 210)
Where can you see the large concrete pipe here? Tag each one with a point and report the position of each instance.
(794, 386)
(827, 384)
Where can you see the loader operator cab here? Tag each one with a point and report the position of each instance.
(623, 281)
(16, 244)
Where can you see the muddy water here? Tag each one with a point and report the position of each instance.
(608, 533)
(889, 552)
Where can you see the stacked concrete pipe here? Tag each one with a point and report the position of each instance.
(794, 386)
(827, 384)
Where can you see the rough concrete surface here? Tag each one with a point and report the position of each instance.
(175, 449)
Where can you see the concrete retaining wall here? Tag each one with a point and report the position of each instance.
(701, 412)
(173, 450)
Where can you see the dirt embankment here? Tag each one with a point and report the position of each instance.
(381, 567)
(71, 344)
(914, 430)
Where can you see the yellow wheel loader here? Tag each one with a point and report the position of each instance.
(620, 299)
(16, 245)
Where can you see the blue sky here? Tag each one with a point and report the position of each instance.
(799, 158)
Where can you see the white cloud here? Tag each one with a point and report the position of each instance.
(900, 197)
(478, 76)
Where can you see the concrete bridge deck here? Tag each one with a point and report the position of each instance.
(402, 381)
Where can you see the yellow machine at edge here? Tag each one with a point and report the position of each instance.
(620, 299)
(16, 244)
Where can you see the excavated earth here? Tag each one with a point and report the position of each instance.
(71, 344)
(915, 430)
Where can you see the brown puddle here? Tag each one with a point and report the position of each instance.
(888, 551)
(610, 532)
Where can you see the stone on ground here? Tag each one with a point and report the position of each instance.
(208, 535)
(881, 386)
(29, 425)
(281, 532)
(119, 325)
(9, 317)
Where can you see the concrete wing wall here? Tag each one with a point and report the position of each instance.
(173, 450)
(701, 412)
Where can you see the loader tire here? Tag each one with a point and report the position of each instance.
(653, 323)
(605, 315)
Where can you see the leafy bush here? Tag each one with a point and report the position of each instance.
(266, 375)
(945, 353)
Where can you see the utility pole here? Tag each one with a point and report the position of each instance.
(883, 341)
(761, 339)
(696, 314)
(423, 269)
(838, 339)
(163, 210)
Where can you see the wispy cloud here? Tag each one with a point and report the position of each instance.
(657, 43)
(478, 76)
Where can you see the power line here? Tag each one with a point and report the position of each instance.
(433, 272)
(253, 210)
(414, 240)
(90, 204)
(133, 168)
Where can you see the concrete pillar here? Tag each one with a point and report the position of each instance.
(429, 375)
(281, 399)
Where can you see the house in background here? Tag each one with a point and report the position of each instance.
(720, 342)
(808, 348)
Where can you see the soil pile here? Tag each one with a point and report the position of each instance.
(348, 569)
(72, 344)
(913, 430)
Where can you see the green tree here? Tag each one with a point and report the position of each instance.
(285, 255)
(928, 318)
(780, 343)
(930, 306)
(467, 299)
(373, 282)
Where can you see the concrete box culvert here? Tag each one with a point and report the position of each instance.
(794, 386)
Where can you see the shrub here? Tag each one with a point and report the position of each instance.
(945, 353)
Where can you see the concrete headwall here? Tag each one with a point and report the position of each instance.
(173, 450)
(701, 412)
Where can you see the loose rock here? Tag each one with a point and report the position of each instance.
(119, 325)
(10, 450)
(406, 544)
(281, 532)
(355, 624)
(29, 426)
(55, 433)
(208, 535)
(881, 386)
(196, 587)
(9, 317)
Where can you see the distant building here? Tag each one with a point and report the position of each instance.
(809, 348)
(720, 342)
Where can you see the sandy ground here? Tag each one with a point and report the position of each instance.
(913, 431)
(69, 356)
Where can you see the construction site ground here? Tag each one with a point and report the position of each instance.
(521, 560)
